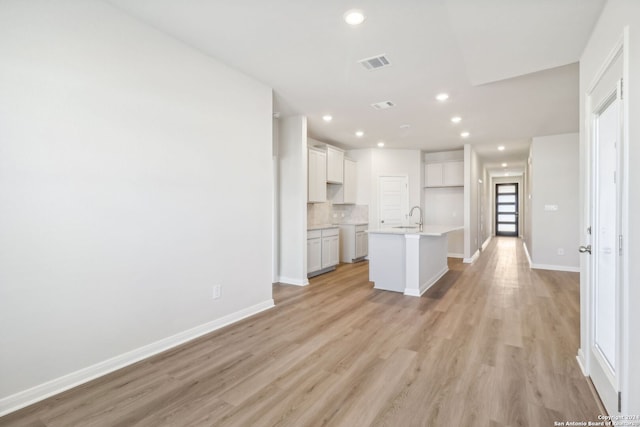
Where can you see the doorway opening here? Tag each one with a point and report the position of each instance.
(507, 209)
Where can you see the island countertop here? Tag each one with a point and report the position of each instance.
(427, 230)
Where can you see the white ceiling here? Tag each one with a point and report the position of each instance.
(510, 66)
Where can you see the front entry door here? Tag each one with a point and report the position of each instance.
(606, 148)
(507, 209)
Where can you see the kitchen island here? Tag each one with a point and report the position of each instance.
(405, 259)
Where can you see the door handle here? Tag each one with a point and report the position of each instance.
(584, 249)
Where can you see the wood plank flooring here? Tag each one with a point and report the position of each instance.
(491, 344)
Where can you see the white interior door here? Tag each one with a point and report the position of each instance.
(605, 286)
(393, 200)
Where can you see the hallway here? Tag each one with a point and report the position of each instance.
(491, 344)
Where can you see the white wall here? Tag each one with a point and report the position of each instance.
(135, 173)
(616, 15)
(555, 161)
(486, 219)
(292, 189)
(528, 197)
(373, 163)
(473, 171)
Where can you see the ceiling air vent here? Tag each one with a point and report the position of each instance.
(375, 63)
(383, 105)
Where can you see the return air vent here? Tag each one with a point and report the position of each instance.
(375, 63)
(383, 105)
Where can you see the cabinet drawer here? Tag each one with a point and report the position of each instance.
(327, 232)
(314, 234)
(361, 227)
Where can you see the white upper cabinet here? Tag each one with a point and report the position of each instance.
(453, 174)
(317, 176)
(444, 174)
(349, 185)
(433, 175)
(335, 165)
(346, 193)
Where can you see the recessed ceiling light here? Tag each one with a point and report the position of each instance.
(354, 17)
(327, 118)
(504, 165)
(380, 144)
(456, 119)
(465, 134)
(442, 96)
(501, 147)
(359, 133)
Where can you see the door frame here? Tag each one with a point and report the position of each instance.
(587, 324)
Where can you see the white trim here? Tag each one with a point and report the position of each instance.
(426, 285)
(292, 281)
(455, 255)
(472, 259)
(556, 267)
(618, 49)
(526, 251)
(581, 362)
(40, 392)
(486, 243)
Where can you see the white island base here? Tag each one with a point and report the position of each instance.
(408, 261)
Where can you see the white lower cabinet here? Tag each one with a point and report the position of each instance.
(314, 252)
(362, 244)
(354, 242)
(329, 251)
(323, 248)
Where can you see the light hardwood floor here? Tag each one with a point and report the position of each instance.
(491, 344)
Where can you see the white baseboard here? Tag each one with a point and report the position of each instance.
(486, 243)
(455, 255)
(40, 392)
(526, 252)
(292, 281)
(556, 267)
(549, 266)
(473, 258)
(581, 362)
(426, 285)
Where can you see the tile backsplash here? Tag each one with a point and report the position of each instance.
(328, 213)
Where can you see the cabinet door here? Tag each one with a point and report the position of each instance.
(317, 176)
(330, 251)
(312, 172)
(453, 174)
(335, 165)
(314, 255)
(433, 175)
(326, 252)
(362, 244)
(349, 186)
(335, 250)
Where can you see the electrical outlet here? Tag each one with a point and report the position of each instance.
(217, 291)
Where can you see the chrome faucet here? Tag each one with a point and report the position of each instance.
(419, 210)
